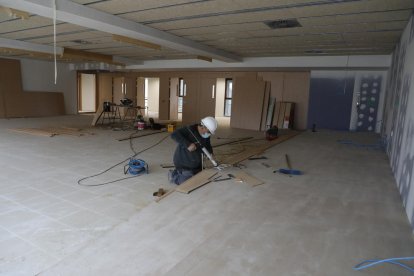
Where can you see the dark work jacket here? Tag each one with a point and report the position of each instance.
(184, 159)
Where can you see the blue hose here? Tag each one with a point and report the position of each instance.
(136, 166)
(361, 266)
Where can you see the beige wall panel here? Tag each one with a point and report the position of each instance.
(296, 89)
(140, 91)
(104, 88)
(276, 79)
(247, 103)
(164, 98)
(131, 89)
(173, 99)
(118, 92)
(16, 103)
(207, 98)
(190, 101)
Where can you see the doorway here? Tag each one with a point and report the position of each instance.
(86, 92)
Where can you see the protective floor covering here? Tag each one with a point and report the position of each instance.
(345, 208)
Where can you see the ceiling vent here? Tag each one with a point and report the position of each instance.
(314, 51)
(80, 41)
(283, 23)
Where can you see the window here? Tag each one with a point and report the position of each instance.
(181, 93)
(227, 97)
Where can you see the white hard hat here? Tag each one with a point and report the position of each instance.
(210, 123)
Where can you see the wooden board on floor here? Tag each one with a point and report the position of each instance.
(198, 180)
(141, 134)
(245, 177)
(51, 131)
(237, 158)
(34, 131)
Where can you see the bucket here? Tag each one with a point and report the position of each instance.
(170, 128)
(140, 125)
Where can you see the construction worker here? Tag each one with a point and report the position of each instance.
(188, 154)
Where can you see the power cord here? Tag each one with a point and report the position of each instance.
(117, 164)
(395, 261)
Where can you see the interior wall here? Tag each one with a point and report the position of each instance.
(18, 103)
(40, 76)
(330, 102)
(398, 127)
(373, 96)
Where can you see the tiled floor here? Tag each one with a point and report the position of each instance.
(344, 209)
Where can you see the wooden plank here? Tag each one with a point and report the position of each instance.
(251, 180)
(266, 106)
(198, 180)
(281, 115)
(145, 133)
(34, 131)
(231, 142)
(234, 159)
(165, 195)
(237, 158)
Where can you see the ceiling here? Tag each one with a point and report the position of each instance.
(227, 30)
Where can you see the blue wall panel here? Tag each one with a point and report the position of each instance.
(330, 102)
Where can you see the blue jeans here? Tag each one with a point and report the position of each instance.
(179, 176)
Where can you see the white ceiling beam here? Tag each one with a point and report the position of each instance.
(27, 46)
(87, 17)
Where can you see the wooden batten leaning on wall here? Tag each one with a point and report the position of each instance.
(14, 102)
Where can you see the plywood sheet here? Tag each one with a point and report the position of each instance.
(190, 101)
(237, 158)
(206, 98)
(266, 106)
(200, 179)
(251, 180)
(173, 99)
(247, 103)
(140, 92)
(164, 98)
(296, 89)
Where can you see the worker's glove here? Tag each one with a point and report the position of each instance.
(192, 147)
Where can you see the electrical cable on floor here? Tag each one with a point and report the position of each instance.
(395, 261)
(117, 164)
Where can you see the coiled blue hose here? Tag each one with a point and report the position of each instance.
(395, 261)
(136, 166)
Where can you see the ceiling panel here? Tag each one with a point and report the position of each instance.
(235, 26)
